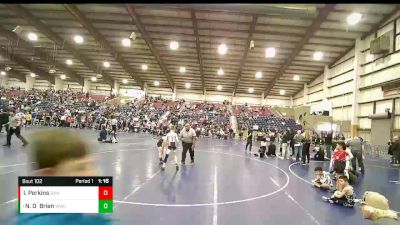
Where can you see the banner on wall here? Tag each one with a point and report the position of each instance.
(323, 108)
(133, 93)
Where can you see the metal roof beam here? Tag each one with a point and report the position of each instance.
(199, 56)
(80, 17)
(28, 66)
(322, 16)
(246, 51)
(41, 54)
(135, 18)
(45, 30)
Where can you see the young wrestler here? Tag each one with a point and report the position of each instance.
(322, 179)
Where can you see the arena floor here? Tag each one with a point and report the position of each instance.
(225, 186)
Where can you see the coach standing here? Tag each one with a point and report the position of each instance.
(357, 149)
(188, 137)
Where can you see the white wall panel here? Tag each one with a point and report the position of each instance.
(342, 114)
(396, 122)
(341, 100)
(342, 78)
(366, 109)
(316, 96)
(341, 89)
(372, 94)
(382, 105)
(316, 88)
(365, 123)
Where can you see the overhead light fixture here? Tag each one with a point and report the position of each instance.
(174, 45)
(156, 83)
(219, 87)
(68, 61)
(296, 77)
(220, 72)
(126, 42)
(282, 92)
(51, 71)
(182, 69)
(93, 79)
(251, 90)
(354, 18)
(33, 74)
(318, 56)
(106, 64)
(78, 39)
(125, 81)
(144, 67)
(259, 74)
(63, 77)
(3, 73)
(32, 36)
(7, 68)
(188, 85)
(270, 52)
(222, 49)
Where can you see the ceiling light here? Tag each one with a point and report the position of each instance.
(282, 92)
(318, 55)
(144, 67)
(182, 69)
(222, 49)
(106, 64)
(156, 83)
(354, 18)
(32, 36)
(51, 71)
(78, 39)
(259, 74)
(220, 72)
(63, 77)
(126, 42)
(33, 75)
(251, 90)
(7, 68)
(124, 81)
(219, 87)
(93, 78)
(188, 85)
(3, 73)
(68, 61)
(174, 45)
(270, 52)
(296, 77)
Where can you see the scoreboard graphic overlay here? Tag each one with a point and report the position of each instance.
(65, 195)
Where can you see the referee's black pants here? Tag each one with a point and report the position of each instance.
(17, 132)
(185, 148)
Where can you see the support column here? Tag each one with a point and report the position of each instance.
(204, 95)
(305, 96)
(233, 100)
(326, 83)
(86, 86)
(3, 81)
(262, 98)
(291, 101)
(358, 70)
(145, 89)
(30, 82)
(174, 93)
(115, 89)
(58, 84)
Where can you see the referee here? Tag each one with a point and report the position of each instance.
(188, 137)
(14, 127)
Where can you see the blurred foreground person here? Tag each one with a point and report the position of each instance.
(375, 207)
(61, 153)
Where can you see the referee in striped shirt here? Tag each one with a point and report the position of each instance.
(188, 137)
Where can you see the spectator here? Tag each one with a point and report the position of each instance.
(357, 149)
(375, 207)
(322, 179)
